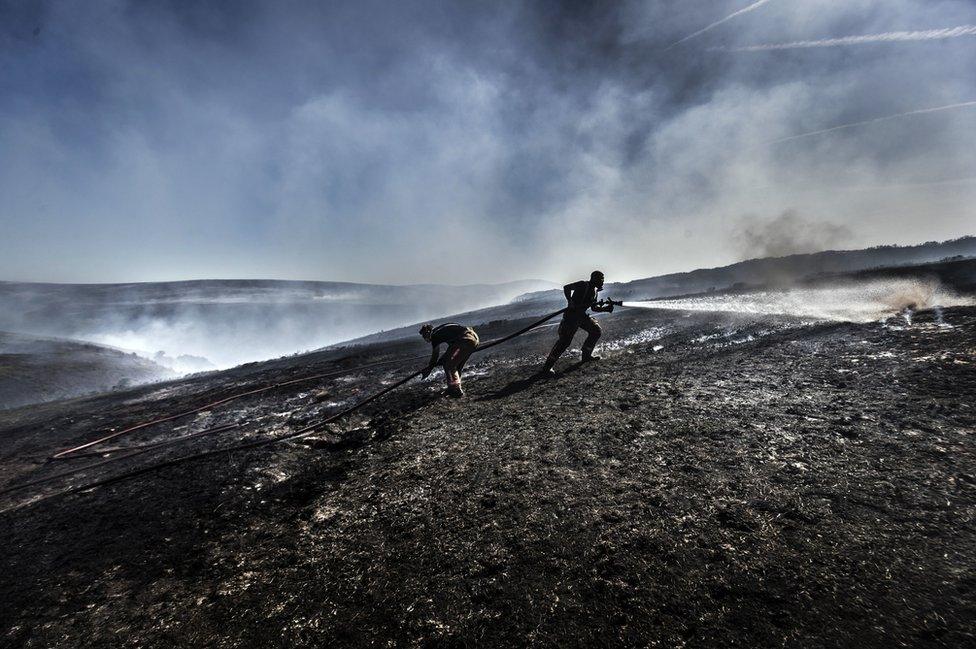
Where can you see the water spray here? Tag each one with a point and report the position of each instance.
(865, 301)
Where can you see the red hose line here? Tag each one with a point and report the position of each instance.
(308, 430)
(136, 450)
(212, 404)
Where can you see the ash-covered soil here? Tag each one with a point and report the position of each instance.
(715, 480)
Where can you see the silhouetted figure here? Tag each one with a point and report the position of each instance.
(461, 342)
(581, 296)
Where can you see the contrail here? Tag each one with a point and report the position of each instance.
(887, 37)
(922, 111)
(754, 5)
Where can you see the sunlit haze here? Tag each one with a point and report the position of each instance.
(454, 143)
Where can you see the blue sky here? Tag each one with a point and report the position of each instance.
(473, 142)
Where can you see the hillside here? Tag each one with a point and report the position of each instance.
(718, 479)
(788, 270)
(36, 369)
(956, 275)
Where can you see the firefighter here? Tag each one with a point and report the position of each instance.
(461, 342)
(580, 296)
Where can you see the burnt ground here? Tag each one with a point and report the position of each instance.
(756, 481)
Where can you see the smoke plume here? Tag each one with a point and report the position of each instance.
(787, 234)
(461, 143)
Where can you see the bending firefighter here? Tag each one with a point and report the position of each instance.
(461, 342)
(581, 296)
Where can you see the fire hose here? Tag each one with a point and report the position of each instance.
(136, 449)
(208, 406)
(302, 432)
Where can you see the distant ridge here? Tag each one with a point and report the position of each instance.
(753, 272)
(35, 369)
(785, 270)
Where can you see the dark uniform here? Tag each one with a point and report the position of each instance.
(581, 296)
(461, 342)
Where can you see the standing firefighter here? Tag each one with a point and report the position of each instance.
(461, 342)
(581, 296)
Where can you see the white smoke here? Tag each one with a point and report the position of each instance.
(886, 37)
(752, 7)
(866, 301)
(885, 118)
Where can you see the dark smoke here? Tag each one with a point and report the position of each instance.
(788, 234)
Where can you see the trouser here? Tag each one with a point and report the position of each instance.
(456, 355)
(571, 323)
